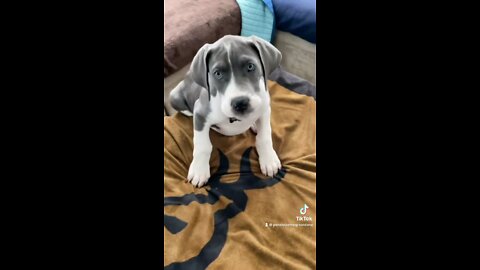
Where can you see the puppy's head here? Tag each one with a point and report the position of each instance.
(235, 70)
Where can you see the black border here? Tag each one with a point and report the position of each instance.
(85, 150)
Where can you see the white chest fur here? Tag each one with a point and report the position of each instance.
(231, 129)
(221, 122)
(220, 112)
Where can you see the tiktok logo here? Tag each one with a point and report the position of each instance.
(303, 210)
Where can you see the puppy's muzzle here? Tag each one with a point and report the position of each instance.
(241, 105)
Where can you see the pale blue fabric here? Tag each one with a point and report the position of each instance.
(257, 18)
(269, 4)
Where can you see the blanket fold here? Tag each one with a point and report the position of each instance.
(242, 219)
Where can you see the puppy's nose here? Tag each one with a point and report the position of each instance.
(240, 104)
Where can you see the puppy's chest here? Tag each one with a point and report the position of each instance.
(234, 128)
(222, 124)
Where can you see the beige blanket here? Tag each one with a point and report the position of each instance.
(242, 219)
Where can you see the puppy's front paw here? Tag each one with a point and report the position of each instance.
(199, 172)
(269, 162)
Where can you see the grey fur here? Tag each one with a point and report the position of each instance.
(201, 111)
(184, 96)
(269, 55)
(201, 80)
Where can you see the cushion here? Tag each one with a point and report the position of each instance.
(189, 24)
(297, 17)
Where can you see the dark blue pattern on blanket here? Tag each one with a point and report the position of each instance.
(234, 191)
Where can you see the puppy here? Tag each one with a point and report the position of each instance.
(226, 90)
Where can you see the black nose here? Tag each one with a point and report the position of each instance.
(240, 104)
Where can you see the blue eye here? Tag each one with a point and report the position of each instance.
(250, 67)
(218, 74)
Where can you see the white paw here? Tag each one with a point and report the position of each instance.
(269, 162)
(199, 172)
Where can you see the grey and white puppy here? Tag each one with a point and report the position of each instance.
(226, 90)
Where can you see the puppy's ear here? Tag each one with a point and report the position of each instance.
(269, 55)
(199, 67)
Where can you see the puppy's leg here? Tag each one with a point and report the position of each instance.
(269, 161)
(199, 171)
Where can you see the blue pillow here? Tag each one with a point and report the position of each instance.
(297, 17)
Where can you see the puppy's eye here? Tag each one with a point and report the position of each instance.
(218, 74)
(250, 67)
